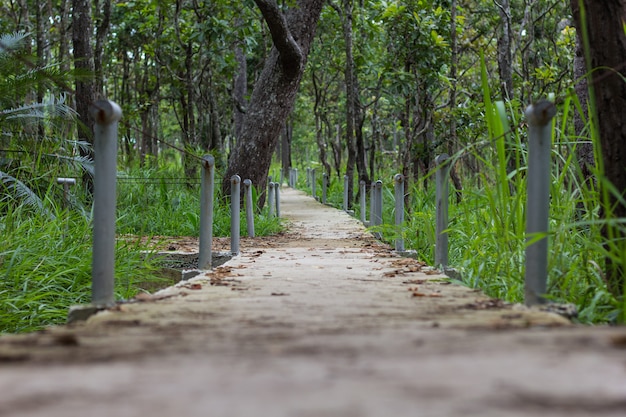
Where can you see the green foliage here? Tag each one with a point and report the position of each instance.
(45, 266)
(163, 202)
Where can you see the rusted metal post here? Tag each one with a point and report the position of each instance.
(398, 181)
(207, 187)
(107, 115)
(235, 213)
(539, 117)
(247, 185)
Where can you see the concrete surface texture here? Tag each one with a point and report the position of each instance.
(320, 321)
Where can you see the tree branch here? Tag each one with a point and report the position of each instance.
(291, 57)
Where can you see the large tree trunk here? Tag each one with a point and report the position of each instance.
(83, 60)
(275, 91)
(607, 53)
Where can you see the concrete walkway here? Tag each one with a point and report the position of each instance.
(323, 321)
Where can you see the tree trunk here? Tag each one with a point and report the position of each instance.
(285, 149)
(584, 150)
(83, 60)
(607, 53)
(505, 66)
(275, 91)
(102, 29)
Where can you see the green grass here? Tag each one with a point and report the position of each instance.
(45, 259)
(487, 239)
(45, 267)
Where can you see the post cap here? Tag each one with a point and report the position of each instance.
(105, 112)
(540, 112)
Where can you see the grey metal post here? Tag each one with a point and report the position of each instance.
(313, 184)
(295, 179)
(205, 254)
(324, 187)
(441, 202)
(271, 199)
(235, 213)
(378, 203)
(372, 203)
(66, 182)
(106, 114)
(398, 180)
(363, 196)
(345, 192)
(277, 196)
(247, 185)
(308, 177)
(539, 116)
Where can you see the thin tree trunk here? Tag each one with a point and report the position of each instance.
(83, 60)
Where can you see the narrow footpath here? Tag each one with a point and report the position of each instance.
(321, 321)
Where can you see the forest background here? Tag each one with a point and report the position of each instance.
(388, 86)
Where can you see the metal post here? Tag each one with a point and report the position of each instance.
(205, 255)
(235, 213)
(539, 116)
(247, 185)
(308, 177)
(378, 203)
(271, 199)
(363, 196)
(324, 187)
(398, 180)
(277, 196)
(313, 180)
(372, 203)
(345, 192)
(441, 202)
(295, 178)
(66, 182)
(106, 115)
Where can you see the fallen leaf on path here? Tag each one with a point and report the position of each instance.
(279, 293)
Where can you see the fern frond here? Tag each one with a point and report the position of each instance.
(23, 192)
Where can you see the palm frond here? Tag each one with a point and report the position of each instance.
(12, 41)
(23, 192)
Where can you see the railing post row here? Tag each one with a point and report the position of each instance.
(207, 186)
(539, 116)
(107, 115)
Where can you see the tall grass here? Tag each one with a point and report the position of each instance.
(487, 239)
(45, 266)
(162, 202)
